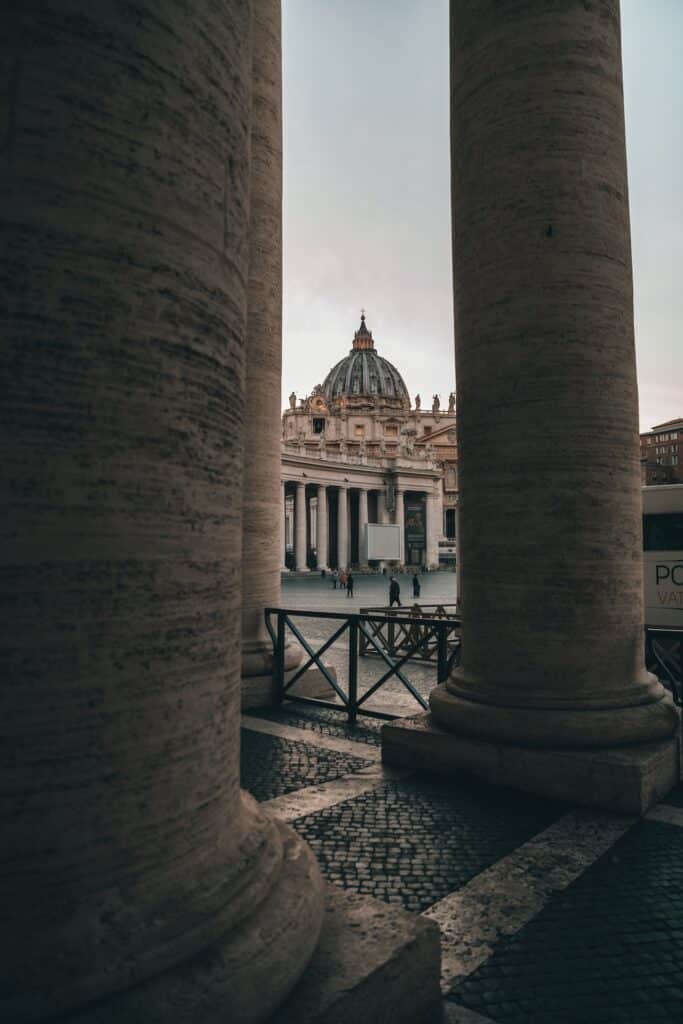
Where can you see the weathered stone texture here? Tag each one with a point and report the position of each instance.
(261, 532)
(124, 181)
(550, 538)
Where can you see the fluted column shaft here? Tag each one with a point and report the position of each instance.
(362, 523)
(300, 546)
(322, 539)
(544, 335)
(124, 300)
(342, 528)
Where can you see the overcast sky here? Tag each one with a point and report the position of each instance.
(366, 207)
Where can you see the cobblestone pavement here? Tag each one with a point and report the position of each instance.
(548, 915)
(609, 948)
(324, 722)
(412, 842)
(271, 766)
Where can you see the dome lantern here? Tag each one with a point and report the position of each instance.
(365, 374)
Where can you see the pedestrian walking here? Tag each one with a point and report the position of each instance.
(416, 585)
(335, 577)
(342, 578)
(394, 592)
(349, 585)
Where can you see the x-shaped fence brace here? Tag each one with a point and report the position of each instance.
(358, 626)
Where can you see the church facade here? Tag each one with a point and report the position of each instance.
(357, 451)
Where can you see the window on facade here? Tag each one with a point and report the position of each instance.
(390, 430)
(663, 532)
(427, 430)
(359, 430)
(318, 424)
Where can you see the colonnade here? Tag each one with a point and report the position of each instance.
(337, 550)
(165, 890)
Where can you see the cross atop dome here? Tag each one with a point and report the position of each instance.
(362, 339)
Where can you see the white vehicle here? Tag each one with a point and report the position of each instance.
(663, 555)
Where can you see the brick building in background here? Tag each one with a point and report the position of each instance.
(661, 453)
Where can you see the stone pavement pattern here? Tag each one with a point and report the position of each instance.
(539, 923)
(607, 948)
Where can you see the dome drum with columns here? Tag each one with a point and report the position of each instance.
(356, 450)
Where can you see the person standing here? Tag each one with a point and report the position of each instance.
(335, 575)
(394, 592)
(349, 585)
(416, 585)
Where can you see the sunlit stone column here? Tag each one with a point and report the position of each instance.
(400, 521)
(283, 529)
(300, 547)
(134, 849)
(431, 525)
(323, 543)
(362, 523)
(342, 528)
(550, 538)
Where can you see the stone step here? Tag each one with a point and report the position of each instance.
(375, 962)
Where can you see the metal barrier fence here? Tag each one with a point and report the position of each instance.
(417, 635)
(664, 657)
(396, 637)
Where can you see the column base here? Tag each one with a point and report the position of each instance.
(555, 726)
(247, 973)
(374, 961)
(627, 779)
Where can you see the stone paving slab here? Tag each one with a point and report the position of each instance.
(413, 841)
(607, 949)
(323, 721)
(271, 766)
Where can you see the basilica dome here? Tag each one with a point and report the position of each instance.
(363, 373)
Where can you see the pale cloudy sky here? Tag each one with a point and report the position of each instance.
(366, 209)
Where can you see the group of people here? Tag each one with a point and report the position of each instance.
(345, 581)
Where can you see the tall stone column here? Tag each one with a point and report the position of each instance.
(400, 521)
(283, 529)
(550, 539)
(342, 528)
(300, 545)
(431, 524)
(125, 304)
(362, 523)
(261, 561)
(323, 543)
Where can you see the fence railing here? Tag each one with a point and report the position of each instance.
(417, 634)
(664, 657)
(399, 636)
(396, 636)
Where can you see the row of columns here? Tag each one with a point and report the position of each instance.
(433, 515)
(132, 306)
(142, 272)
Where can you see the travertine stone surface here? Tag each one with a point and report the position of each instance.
(323, 542)
(375, 962)
(626, 779)
(124, 268)
(300, 530)
(362, 523)
(550, 538)
(342, 528)
(262, 516)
